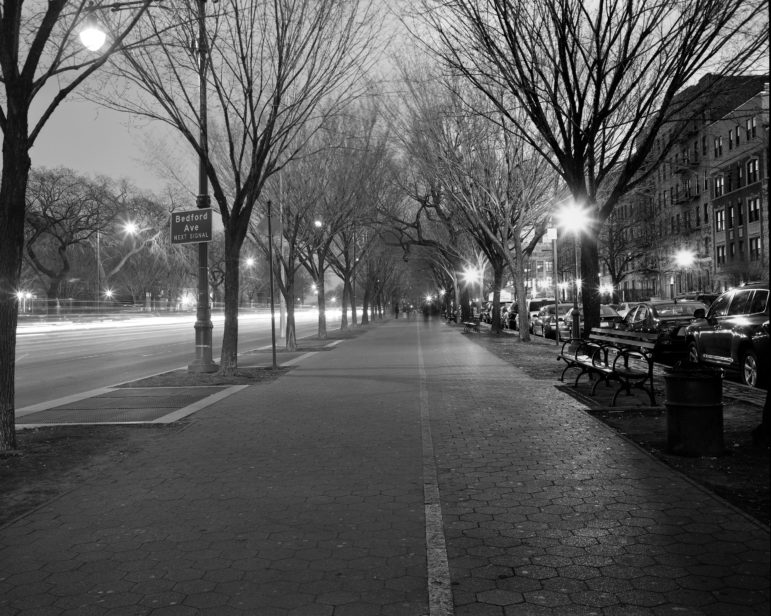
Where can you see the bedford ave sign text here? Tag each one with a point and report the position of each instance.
(191, 226)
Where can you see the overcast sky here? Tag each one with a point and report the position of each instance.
(95, 141)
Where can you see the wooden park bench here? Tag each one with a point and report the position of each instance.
(613, 355)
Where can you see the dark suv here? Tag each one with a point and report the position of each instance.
(734, 334)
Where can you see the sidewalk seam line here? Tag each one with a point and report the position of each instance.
(197, 406)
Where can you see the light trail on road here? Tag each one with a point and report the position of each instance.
(57, 360)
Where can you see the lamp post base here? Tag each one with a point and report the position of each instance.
(203, 362)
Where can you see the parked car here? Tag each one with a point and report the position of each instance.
(534, 304)
(608, 318)
(734, 334)
(624, 307)
(545, 324)
(668, 318)
(698, 296)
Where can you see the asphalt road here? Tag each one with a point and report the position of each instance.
(57, 360)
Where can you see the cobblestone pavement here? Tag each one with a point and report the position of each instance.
(326, 492)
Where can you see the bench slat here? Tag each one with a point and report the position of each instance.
(626, 342)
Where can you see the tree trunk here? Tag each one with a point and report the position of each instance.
(365, 307)
(523, 316)
(590, 287)
(288, 329)
(354, 317)
(291, 331)
(13, 188)
(322, 334)
(229, 353)
(495, 327)
(344, 308)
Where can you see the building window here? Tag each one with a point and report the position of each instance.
(739, 213)
(753, 210)
(719, 186)
(720, 255)
(718, 147)
(751, 127)
(719, 220)
(729, 215)
(752, 171)
(729, 182)
(738, 132)
(706, 215)
(740, 169)
(754, 249)
(698, 217)
(706, 181)
(732, 250)
(704, 145)
(731, 139)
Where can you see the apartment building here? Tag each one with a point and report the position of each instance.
(706, 204)
(739, 143)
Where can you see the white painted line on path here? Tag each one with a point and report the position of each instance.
(439, 589)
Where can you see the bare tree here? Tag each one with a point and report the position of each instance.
(38, 48)
(292, 193)
(363, 191)
(63, 212)
(484, 182)
(272, 65)
(501, 188)
(66, 210)
(424, 218)
(596, 82)
(626, 241)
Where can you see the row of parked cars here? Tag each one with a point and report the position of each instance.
(729, 331)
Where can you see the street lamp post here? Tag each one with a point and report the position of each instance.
(576, 285)
(93, 37)
(551, 234)
(203, 361)
(98, 263)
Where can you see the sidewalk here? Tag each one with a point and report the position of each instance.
(406, 472)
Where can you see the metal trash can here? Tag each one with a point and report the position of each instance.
(694, 402)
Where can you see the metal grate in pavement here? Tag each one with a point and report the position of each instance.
(123, 405)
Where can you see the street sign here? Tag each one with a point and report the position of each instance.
(191, 226)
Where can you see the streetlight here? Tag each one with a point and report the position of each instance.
(472, 275)
(574, 218)
(249, 263)
(93, 37)
(684, 259)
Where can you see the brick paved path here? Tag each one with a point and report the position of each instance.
(318, 494)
